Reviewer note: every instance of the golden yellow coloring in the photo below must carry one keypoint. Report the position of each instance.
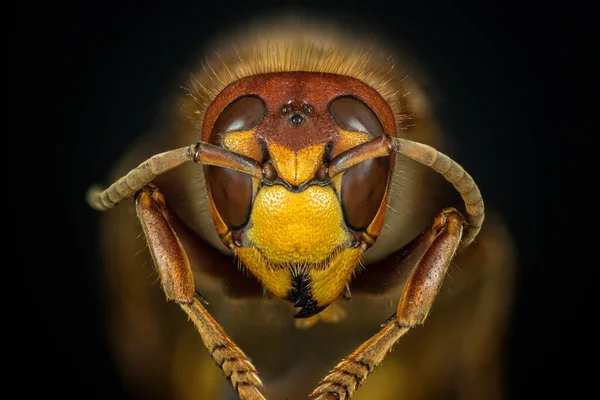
(243, 142)
(296, 167)
(349, 139)
(296, 228)
(327, 283)
(276, 280)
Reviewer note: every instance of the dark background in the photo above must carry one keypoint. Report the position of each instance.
(511, 87)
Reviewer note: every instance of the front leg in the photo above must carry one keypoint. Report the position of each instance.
(178, 283)
(439, 244)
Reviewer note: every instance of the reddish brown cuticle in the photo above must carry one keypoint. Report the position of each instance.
(322, 173)
(292, 91)
(323, 104)
(269, 172)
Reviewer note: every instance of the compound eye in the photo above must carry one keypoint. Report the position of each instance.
(364, 185)
(231, 191)
(240, 115)
(363, 190)
(351, 114)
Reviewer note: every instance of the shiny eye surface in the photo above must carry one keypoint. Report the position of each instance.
(240, 115)
(363, 186)
(351, 114)
(231, 191)
(363, 189)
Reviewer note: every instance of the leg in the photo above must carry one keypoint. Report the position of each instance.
(178, 284)
(440, 243)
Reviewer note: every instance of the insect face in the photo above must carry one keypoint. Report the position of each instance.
(299, 232)
(297, 134)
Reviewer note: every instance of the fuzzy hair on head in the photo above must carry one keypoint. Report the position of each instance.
(291, 44)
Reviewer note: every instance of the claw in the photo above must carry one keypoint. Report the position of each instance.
(387, 321)
(200, 298)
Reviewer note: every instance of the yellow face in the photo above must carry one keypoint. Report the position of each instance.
(299, 232)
